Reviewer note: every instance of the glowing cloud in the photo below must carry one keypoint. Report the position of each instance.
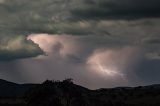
(109, 65)
(108, 72)
(49, 43)
(112, 64)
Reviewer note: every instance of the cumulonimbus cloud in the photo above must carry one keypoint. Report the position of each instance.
(109, 65)
(83, 58)
(129, 49)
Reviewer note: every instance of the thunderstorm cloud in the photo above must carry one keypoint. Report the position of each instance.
(98, 43)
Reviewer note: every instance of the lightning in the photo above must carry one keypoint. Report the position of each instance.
(108, 72)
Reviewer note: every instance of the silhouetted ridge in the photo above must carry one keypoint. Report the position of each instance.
(5, 82)
(9, 89)
(66, 93)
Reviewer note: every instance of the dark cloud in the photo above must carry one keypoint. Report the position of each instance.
(148, 71)
(118, 9)
(55, 17)
(152, 40)
(18, 47)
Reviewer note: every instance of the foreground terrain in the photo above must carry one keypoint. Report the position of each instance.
(66, 93)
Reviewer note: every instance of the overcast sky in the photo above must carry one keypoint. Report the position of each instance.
(98, 43)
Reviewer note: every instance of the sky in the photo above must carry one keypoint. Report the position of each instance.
(98, 43)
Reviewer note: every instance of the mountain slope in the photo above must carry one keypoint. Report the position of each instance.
(12, 89)
(66, 93)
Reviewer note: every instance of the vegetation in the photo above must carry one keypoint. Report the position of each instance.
(66, 93)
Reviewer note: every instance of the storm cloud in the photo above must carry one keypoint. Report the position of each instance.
(18, 47)
(118, 9)
(98, 43)
(70, 56)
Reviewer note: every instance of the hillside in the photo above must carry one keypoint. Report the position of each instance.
(9, 89)
(66, 93)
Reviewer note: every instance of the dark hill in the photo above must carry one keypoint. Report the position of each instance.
(66, 93)
(9, 89)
